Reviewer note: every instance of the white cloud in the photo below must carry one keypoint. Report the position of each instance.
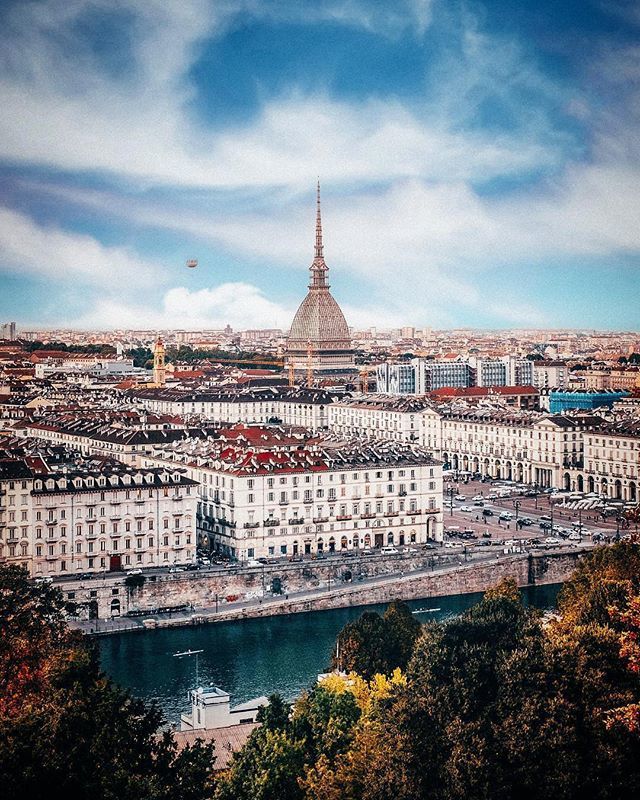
(240, 305)
(54, 254)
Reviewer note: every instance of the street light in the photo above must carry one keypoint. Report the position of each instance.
(516, 505)
(451, 491)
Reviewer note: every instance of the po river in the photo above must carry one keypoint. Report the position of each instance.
(252, 657)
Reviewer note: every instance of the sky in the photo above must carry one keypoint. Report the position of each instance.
(479, 161)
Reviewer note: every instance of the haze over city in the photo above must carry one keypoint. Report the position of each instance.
(479, 162)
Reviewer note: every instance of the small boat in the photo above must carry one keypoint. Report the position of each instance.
(425, 610)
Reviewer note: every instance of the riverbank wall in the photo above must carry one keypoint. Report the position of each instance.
(527, 569)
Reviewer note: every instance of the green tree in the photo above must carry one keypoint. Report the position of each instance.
(63, 724)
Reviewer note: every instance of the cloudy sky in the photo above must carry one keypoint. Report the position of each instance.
(480, 161)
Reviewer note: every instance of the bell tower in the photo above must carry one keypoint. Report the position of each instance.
(159, 370)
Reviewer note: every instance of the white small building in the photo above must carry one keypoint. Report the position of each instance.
(211, 708)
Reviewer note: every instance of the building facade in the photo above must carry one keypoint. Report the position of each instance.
(300, 498)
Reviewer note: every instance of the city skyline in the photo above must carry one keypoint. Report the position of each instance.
(479, 163)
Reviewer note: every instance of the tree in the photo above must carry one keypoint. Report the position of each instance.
(374, 644)
(63, 724)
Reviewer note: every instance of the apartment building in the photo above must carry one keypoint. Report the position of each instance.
(286, 405)
(377, 417)
(69, 522)
(296, 497)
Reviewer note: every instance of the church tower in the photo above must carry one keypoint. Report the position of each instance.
(159, 369)
(319, 343)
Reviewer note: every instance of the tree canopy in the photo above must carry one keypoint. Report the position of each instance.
(494, 704)
(65, 726)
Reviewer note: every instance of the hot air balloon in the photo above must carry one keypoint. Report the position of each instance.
(192, 263)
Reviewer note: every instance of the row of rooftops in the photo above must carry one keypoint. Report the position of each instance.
(245, 395)
(70, 480)
(249, 457)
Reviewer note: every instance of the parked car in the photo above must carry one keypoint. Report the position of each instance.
(388, 550)
(525, 521)
(575, 537)
(466, 508)
(478, 497)
(487, 512)
(505, 516)
(460, 497)
(44, 579)
(134, 572)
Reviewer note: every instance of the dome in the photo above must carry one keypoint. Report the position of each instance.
(320, 320)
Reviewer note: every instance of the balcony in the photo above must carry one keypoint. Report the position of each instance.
(140, 501)
(296, 521)
(271, 523)
(392, 514)
(176, 498)
(93, 535)
(367, 516)
(53, 521)
(342, 517)
(320, 519)
(115, 502)
(251, 525)
(402, 494)
(413, 512)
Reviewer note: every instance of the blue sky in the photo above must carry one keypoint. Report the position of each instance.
(480, 161)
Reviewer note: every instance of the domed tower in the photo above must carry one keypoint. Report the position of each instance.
(319, 343)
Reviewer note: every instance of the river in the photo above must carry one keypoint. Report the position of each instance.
(252, 657)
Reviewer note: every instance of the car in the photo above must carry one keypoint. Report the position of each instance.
(575, 537)
(192, 567)
(466, 508)
(551, 540)
(262, 560)
(135, 572)
(44, 579)
(410, 549)
(206, 562)
(492, 496)
(478, 502)
(545, 525)
(486, 535)
(478, 497)
(525, 521)
(487, 512)
(544, 518)
(388, 550)
(254, 562)
(452, 544)
(459, 497)
(505, 516)
(296, 557)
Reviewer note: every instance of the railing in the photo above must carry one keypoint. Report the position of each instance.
(251, 524)
(321, 519)
(392, 514)
(343, 516)
(367, 516)
(296, 521)
(402, 494)
(271, 523)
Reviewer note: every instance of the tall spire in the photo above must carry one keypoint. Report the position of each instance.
(318, 225)
(318, 268)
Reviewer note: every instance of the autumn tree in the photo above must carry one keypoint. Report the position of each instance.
(64, 726)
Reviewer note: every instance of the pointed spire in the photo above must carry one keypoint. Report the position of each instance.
(318, 268)
(318, 225)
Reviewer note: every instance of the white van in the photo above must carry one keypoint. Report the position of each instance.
(388, 550)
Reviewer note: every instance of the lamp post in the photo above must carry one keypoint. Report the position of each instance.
(451, 491)
(516, 505)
